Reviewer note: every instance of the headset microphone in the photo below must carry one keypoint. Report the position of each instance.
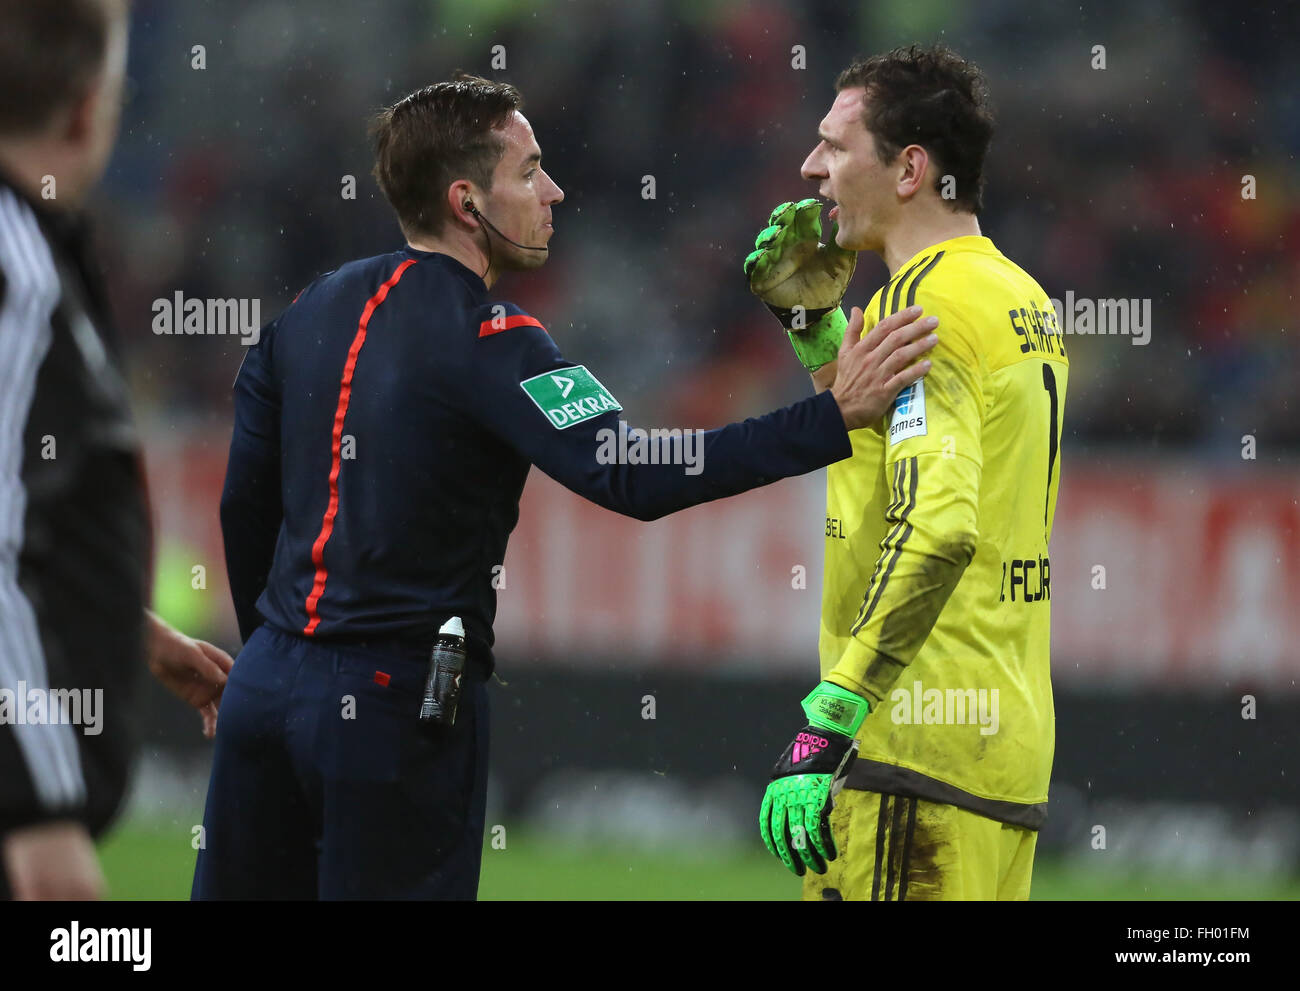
(469, 205)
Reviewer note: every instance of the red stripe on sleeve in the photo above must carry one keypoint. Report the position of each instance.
(489, 327)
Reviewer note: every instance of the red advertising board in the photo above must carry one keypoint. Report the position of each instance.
(1163, 572)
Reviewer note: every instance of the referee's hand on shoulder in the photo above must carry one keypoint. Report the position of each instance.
(871, 369)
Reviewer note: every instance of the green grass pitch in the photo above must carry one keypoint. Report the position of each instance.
(154, 861)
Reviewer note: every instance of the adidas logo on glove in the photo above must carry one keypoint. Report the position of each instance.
(808, 745)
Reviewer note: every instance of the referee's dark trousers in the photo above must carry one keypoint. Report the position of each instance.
(326, 785)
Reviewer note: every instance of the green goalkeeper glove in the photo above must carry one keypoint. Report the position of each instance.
(803, 281)
(795, 818)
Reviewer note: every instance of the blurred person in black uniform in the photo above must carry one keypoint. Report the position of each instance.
(75, 541)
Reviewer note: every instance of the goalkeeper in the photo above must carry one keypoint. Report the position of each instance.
(923, 769)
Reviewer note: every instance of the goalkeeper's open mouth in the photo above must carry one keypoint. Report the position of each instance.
(835, 207)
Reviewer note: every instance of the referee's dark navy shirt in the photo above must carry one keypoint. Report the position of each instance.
(382, 438)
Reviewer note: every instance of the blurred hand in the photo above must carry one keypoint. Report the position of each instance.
(54, 861)
(870, 371)
(193, 670)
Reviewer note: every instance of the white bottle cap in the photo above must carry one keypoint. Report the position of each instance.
(453, 627)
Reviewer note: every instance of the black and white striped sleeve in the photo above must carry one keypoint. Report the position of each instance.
(43, 775)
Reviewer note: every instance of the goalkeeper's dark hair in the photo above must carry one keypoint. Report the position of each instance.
(51, 51)
(934, 98)
(435, 136)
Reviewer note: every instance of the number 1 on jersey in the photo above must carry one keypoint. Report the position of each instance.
(1049, 383)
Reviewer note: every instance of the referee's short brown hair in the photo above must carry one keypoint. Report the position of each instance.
(50, 53)
(435, 136)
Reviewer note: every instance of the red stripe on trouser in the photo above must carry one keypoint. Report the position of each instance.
(340, 413)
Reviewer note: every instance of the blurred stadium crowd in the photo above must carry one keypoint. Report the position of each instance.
(1123, 182)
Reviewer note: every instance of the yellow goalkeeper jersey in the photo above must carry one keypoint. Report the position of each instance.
(937, 587)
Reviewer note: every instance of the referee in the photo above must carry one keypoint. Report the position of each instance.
(74, 522)
(384, 426)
